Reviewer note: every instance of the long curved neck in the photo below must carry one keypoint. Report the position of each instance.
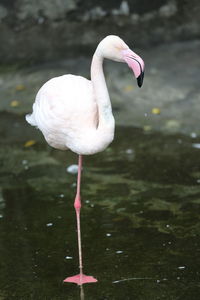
(101, 93)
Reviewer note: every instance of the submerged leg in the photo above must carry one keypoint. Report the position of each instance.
(80, 278)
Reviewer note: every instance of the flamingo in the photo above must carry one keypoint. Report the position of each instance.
(75, 113)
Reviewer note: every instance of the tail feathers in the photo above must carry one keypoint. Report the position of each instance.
(30, 119)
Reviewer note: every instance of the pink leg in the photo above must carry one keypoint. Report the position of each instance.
(80, 278)
(77, 206)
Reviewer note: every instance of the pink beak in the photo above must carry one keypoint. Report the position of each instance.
(136, 63)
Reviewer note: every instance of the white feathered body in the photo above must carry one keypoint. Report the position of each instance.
(66, 112)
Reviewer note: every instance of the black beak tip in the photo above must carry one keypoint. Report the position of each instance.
(140, 79)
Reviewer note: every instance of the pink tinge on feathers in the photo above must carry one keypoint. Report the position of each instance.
(134, 62)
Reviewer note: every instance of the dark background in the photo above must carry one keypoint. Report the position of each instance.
(35, 31)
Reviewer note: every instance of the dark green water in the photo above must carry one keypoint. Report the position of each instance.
(140, 220)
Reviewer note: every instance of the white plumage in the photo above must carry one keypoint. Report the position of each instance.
(64, 110)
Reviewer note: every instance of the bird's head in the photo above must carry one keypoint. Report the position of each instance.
(114, 48)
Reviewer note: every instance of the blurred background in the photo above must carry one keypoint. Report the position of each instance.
(140, 220)
(36, 31)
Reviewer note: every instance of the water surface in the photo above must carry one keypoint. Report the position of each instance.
(140, 219)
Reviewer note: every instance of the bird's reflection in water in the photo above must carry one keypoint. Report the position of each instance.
(82, 295)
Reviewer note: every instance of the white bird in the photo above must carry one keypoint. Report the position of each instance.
(75, 113)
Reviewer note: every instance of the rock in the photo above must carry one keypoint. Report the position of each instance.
(95, 13)
(3, 12)
(168, 10)
(51, 9)
(122, 10)
(36, 31)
